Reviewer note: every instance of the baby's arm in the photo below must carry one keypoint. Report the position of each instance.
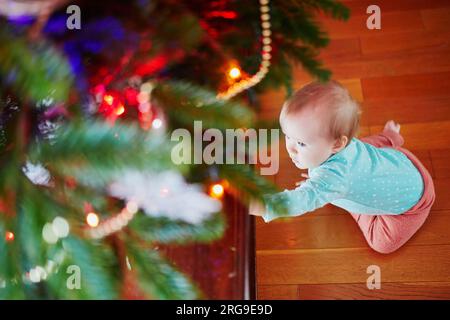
(326, 184)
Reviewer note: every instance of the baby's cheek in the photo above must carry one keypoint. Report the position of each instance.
(304, 157)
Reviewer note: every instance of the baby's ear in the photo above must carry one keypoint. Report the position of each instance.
(340, 144)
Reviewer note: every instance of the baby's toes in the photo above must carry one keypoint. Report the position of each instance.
(391, 125)
(395, 126)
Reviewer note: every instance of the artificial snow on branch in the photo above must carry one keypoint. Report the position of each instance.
(164, 194)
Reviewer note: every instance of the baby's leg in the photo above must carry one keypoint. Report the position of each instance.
(387, 138)
(387, 233)
(390, 137)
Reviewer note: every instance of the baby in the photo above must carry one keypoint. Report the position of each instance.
(385, 188)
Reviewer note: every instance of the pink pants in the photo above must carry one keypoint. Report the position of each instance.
(387, 233)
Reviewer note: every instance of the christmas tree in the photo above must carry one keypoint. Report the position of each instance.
(86, 111)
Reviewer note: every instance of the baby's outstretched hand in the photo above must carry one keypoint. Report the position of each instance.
(299, 183)
(256, 208)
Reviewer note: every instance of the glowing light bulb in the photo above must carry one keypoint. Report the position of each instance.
(120, 110)
(92, 219)
(132, 207)
(234, 73)
(143, 97)
(60, 227)
(9, 236)
(109, 99)
(48, 234)
(216, 190)
(157, 123)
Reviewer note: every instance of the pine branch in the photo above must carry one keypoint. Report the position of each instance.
(334, 8)
(9, 269)
(308, 58)
(35, 70)
(247, 180)
(97, 282)
(95, 152)
(280, 74)
(159, 279)
(164, 230)
(186, 103)
(295, 23)
(31, 220)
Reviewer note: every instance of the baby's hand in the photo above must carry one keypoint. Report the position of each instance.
(299, 183)
(256, 208)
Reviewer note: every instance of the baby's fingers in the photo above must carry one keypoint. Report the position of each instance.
(299, 183)
(256, 208)
(304, 175)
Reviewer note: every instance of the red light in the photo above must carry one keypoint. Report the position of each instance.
(9, 236)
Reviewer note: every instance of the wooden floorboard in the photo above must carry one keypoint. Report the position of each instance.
(400, 72)
(396, 21)
(339, 231)
(424, 135)
(349, 265)
(351, 291)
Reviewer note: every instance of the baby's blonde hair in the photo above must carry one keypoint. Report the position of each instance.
(333, 97)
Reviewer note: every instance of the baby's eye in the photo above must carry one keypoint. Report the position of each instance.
(301, 144)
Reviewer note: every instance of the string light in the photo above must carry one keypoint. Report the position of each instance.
(40, 273)
(48, 234)
(147, 114)
(115, 223)
(9, 236)
(92, 219)
(120, 110)
(37, 274)
(245, 84)
(156, 123)
(60, 227)
(234, 73)
(109, 99)
(216, 191)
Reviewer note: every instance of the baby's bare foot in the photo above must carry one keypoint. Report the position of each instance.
(392, 125)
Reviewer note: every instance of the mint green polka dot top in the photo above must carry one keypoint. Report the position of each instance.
(361, 179)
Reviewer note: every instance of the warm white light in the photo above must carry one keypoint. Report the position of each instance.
(234, 73)
(48, 234)
(157, 123)
(147, 87)
(143, 97)
(60, 227)
(34, 275)
(92, 219)
(132, 207)
(216, 190)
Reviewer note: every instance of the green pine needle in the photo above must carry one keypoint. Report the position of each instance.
(35, 70)
(164, 230)
(159, 279)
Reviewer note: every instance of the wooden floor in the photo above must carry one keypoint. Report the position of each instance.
(400, 72)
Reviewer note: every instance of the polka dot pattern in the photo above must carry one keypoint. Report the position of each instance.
(360, 178)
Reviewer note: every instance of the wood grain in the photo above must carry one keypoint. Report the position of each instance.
(316, 266)
(401, 72)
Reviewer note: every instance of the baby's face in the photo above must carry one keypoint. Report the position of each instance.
(306, 137)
